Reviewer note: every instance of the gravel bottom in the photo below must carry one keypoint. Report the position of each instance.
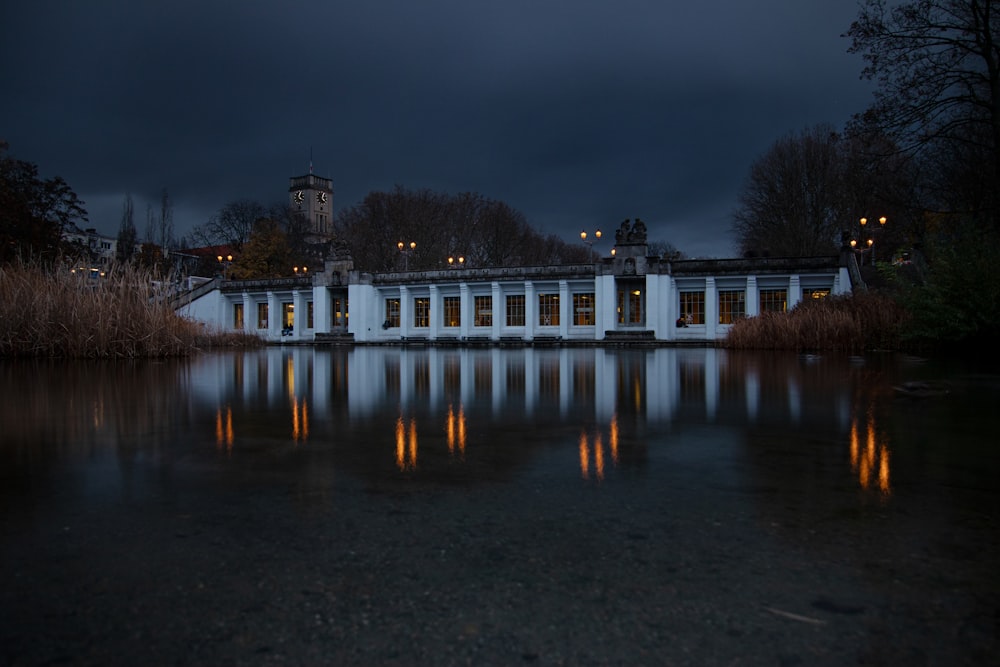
(539, 570)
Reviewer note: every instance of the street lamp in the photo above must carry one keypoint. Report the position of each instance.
(406, 250)
(303, 270)
(590, 244)
(871, 241)
(861, 251)
(451, 262)
(225, 262)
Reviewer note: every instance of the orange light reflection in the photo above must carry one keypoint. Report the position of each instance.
(870, 462)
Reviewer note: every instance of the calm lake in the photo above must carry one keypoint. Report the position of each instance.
(438, 506)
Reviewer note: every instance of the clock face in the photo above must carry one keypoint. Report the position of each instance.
(299, 196)
(321, 197)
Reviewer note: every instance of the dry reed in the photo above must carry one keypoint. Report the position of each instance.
(53, 313)
(849, 323)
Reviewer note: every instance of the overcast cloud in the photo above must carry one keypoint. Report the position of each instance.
(579, 114)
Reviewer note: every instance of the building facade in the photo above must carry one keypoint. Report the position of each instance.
(628, 297)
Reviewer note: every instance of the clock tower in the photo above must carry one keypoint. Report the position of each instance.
(312, 197)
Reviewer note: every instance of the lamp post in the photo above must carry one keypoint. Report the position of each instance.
(590, 244)
(454, 262)
(225, 262)
(300, 270)
(861, 251)
(405, 250)
(874, 229)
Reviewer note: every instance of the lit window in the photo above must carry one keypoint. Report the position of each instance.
(261, 315)
(732, 305)
(773, 300)
(692, 307)
(452, 307)
(421, 312)
(484, 311)
(237, 315)
(548, 310)
(583, 309)
(391, 313)
(515, 310)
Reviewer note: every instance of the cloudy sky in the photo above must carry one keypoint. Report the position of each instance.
(579, 114)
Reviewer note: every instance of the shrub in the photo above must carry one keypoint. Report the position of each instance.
(849, 323)
(58, 313)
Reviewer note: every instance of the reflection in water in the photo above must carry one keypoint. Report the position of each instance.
(455, 429)
(293, 396)
(595, 442)
(300, 419)
(300, 410)
(873, 460)
(406, 448)
(224, 429)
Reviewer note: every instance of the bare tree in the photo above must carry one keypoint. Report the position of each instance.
(231, 225)
(790, 204)
(937, 65)
(127, 234)
(482, 231)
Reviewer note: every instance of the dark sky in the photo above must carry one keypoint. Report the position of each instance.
(579, 114)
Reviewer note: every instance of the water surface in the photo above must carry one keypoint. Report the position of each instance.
(486, 506)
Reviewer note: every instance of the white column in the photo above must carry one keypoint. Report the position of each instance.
(499, 310)
(300, 315)
(321, 309)
(711, 308)
(794, 291)
(753, 297)
(466, 310)
(437, 313)
(530, 310)
(405, 311)
(249, 316)
(273, 316)
(565, 309)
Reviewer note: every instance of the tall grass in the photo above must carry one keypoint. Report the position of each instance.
(55, 313)
(848, 323)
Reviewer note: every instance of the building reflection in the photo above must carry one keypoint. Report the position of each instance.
(635, 390)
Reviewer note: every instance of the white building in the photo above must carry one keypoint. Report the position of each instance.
(628, 297)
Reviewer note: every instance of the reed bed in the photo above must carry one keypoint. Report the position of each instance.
(848, 323)
(46, 313)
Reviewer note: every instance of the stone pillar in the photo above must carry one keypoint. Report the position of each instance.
(300, 314)
(711, 308)
(530, 310)
(273, 316)
(321, 309)
(499, 310)
(466, 310)
(405, 312)
(794, 291)
(436, 314)
(753, 297)
(565, 309)
(249, 316)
